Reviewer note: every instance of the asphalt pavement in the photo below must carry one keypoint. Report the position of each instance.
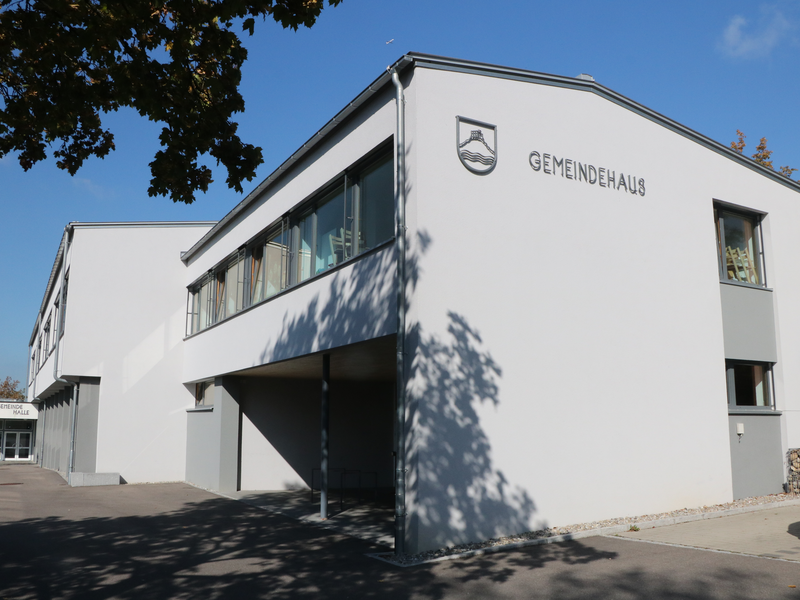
(176, 541)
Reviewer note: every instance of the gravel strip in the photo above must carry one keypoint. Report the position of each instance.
(557, 534)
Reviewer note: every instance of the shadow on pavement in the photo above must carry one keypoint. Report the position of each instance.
(175, 541)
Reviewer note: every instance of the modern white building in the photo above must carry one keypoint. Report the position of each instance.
(595, 317)
(106, 350)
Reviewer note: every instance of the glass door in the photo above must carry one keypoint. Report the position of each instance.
(16, 445)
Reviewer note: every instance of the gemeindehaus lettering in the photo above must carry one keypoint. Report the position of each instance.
(568, 168)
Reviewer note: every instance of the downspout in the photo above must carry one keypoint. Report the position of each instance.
(43, 412)
(400, 411)
(71, 466)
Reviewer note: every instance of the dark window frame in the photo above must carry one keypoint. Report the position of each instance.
(768, 379)
(721, 209)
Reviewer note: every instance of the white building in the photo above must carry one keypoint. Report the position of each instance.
(596, 318)
(106, 350)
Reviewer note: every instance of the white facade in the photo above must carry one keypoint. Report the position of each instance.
(120, 351)
(572, 349)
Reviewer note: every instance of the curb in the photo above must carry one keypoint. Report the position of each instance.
(601, 531)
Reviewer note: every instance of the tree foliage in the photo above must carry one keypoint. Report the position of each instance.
(10, 389)
(63, 63)
(762, 154)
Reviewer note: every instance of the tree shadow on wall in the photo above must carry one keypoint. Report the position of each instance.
(353, 304)
(459, 494)
(456, 492)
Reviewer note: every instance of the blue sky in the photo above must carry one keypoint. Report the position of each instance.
(713, 65)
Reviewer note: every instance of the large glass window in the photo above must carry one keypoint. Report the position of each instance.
(201, 310)
(305, 241)
(329, 238)
(257, 274)
(268, 261)
(47, 338)
(738, 236)
(376, 206)
(219, 296)
(62, 322)
(234, 286)
(276, 254)
(749, 384)
(350, 217)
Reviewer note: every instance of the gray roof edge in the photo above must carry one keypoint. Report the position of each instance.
(438, 62)
(50, 281)
(139, 224)
(309, 145)
(478, 68)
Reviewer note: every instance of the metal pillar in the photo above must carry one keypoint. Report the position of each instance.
(325, 417)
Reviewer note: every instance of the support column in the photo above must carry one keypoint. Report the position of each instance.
(226, 410)
(325, 418)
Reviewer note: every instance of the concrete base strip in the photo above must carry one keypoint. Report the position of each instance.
(601, 531)
(674, 545)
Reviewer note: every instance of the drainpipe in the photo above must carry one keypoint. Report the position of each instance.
(71, 465)
(43, 414)
(400, 411)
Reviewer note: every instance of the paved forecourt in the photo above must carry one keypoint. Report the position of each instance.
(769, 532)
(174, 541)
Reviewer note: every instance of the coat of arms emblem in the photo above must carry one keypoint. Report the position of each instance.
(476, 144)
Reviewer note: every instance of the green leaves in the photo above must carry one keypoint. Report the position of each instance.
(178, 62)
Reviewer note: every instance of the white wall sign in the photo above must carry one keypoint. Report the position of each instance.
(18, 410)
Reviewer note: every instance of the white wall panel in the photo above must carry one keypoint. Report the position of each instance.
(579, 326)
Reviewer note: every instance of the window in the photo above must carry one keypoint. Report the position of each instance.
(200, 305)
(328, 241)
(47, 338)
(56, 317)
(375, 206)
(749, 384)
(63, 321)
(268, 265)
(204, 393)
(351, 216)
(360, 208)
(739, 245)
(233, 286)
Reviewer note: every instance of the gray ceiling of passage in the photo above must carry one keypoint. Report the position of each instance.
(374, 360)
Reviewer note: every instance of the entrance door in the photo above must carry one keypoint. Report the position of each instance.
(17, 445)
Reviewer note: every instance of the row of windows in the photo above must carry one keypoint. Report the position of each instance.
(46, 342)
(349, 218)
(741, 260)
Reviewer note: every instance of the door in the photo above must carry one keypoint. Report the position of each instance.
(17, 445)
